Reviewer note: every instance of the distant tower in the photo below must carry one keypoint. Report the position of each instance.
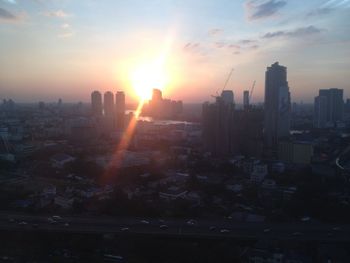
(246, 99)
(157, 95)
(120, 110)
(335, 104)
(227, 96)
(277, 105)
(96, 103)
(320, 112)
(108, 103)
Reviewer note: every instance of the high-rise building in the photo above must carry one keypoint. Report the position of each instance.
(108, 104)
(96, 103)
(120, 110)
(320, 112)
(158, 107)
(227, 96)
(217, 127)
(227, 131)
(246, 99)
(277, 106)
(334, 104)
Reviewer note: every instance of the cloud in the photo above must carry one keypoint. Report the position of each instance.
(57, 13)
(299, 32)
(215, 31)
(234, 46)
(65, 26)
(260, 10)
(191, 46)
(6, 15)
(10, 1)
(66, 35)
(247, 41)
(219, 44)
(320, 12)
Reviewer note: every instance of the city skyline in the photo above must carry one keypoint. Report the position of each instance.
(64, 49)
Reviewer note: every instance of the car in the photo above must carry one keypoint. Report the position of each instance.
(66, 224)
(163, 227)
(35, 225)
(191, 222)
(224, 231)
(212, 228)
(297, 234)
(124, 229)
(23, 223)
(266, 230)
(51, 220)
(145, 222)
(161, 221)
(336, 228)
(56, 218)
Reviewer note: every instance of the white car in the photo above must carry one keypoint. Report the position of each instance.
(191, 222)
(163, 227)
(23, 223)
(124, 229)
(145, 222)
(224, 231)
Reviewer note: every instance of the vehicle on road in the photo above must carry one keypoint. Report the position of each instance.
(212, 228)
(224, 231)
(145, 222)
(266, 230)
(164, 227)
(124, 229)
(23, 223)
(56, 218)
(66, 224)
(191, 222)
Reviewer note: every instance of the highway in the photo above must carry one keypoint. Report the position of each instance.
(178, 228)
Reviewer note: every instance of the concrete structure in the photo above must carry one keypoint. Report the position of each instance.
(277, 106)
(295, 152)
(246, 99)
(108, 104)
(329, 107)
(96, 103)
(120, 110)
(227, 96)
(320, 112)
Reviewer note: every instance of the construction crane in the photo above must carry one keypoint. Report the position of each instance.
(251, 91)
(225, 84)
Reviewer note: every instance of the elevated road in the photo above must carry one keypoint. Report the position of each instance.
(178, 228)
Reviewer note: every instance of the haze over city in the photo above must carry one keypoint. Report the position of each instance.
(65, 49)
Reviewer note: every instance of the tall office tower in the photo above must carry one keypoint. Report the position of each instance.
(246, 99)
(320, 112)
(227, 96)
(120, 110)
(217, 123)
(335, 104)
(96, 103)
(277, 106)
(157, 95)
(108, 104)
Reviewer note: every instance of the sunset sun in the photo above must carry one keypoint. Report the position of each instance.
(147, 77)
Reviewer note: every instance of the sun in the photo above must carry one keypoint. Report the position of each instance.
(147, 77)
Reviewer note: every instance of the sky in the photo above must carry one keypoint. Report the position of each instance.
(52, 49)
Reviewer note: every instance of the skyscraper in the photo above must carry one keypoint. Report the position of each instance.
(217, 127)
(277, 106)
(96, 103)
(334, 104)
(320, 112)
(108, 103)
(246, 99)
(227, 96)
(120, 110)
